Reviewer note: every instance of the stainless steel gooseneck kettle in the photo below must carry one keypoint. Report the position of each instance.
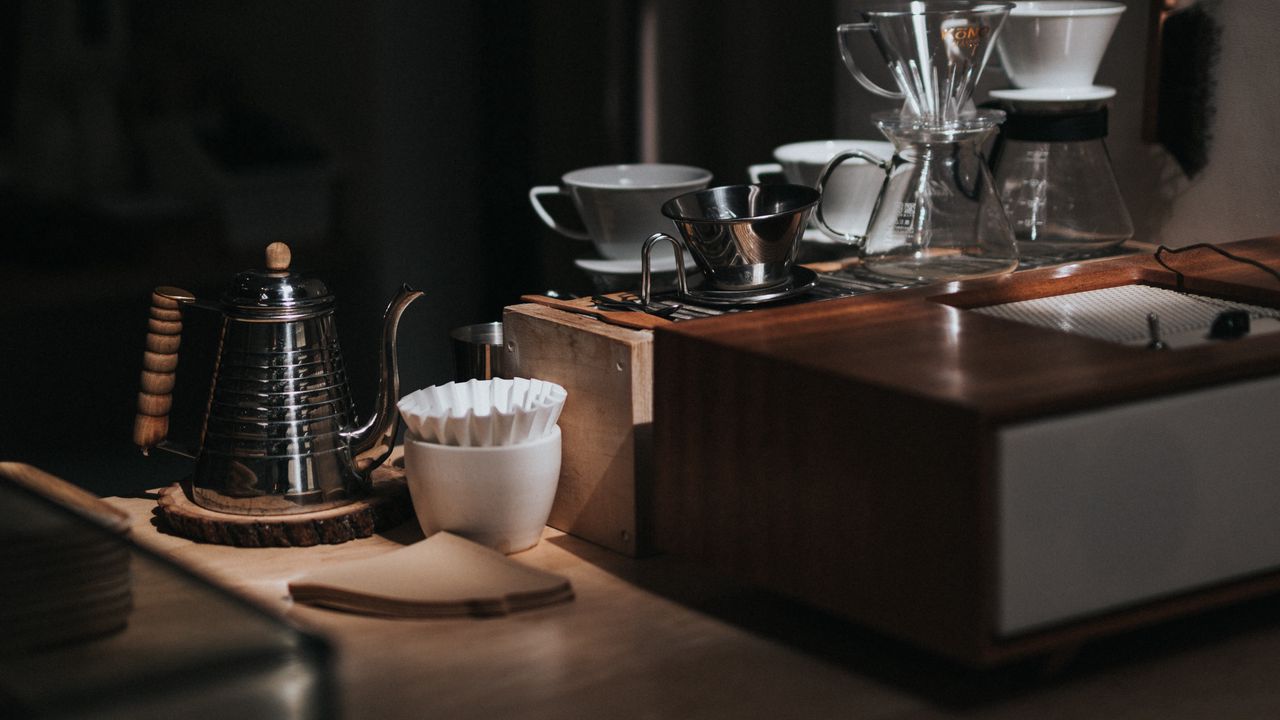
(278, 435)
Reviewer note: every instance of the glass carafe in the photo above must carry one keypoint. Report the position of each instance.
(1054, 174)
(937, 216)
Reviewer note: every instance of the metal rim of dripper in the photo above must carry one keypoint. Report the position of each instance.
(669, 207)
(800, 281)
(782, 200)
(734, 206)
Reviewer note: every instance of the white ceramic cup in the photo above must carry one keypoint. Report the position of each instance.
(850, 194)
(1056, 43)
(498, 496)
(620, 205)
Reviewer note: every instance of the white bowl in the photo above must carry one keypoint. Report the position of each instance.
(620, 205)
(497, 496)
(1056, 43)
(804, 160)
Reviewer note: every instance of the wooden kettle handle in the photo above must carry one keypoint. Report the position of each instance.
(159, 366)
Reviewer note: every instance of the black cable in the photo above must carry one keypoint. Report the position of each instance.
(1237, 258)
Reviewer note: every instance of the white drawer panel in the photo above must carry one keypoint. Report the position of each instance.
(1113, 507)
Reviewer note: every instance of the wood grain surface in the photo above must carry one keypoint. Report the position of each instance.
(584, 306)
(387, 506)
(658, 638)
(77, 500)
(606, 423)
(919, 341)
(618, 650)
(843, 451)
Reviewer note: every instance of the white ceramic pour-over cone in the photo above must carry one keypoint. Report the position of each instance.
(1057, 44)
(935, 50)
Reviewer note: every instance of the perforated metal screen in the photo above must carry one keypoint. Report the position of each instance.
(1119, 314)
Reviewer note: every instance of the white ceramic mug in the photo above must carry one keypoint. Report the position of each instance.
(850, 194)
(620, 205)
(1056, 43)
(499, 496)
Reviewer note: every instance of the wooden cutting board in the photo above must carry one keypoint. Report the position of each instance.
(386, 506)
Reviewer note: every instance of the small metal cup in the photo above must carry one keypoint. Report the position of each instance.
(743, 237)
(477, 351)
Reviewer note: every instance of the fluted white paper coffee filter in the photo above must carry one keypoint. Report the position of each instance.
(483, 412)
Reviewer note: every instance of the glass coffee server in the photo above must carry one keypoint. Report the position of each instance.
(1050, 161)
(937, 216)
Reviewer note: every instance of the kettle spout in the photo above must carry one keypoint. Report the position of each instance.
(371, 443)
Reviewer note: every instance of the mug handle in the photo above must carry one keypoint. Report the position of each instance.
(758, 171)
(646, 278)
(832, 164)
(534, 195)
(842, 40)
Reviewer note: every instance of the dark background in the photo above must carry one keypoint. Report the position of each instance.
(149, 143)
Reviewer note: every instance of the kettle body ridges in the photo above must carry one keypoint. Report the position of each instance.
(279, 434)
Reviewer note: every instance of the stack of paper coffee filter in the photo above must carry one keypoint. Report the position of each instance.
(483, 412)
(482, 458)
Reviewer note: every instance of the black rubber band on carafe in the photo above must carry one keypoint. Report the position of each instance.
(1055, 126)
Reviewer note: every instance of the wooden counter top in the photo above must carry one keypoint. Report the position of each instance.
(655, 638)
(921, 342)
(615, 651)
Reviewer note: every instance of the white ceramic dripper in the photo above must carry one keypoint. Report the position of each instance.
(1057, 44)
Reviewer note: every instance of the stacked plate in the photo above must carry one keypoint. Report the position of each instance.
(64, 578)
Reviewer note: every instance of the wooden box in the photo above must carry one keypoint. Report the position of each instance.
(981, 488)
(606, 425)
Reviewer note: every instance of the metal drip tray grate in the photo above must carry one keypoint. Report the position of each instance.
(1119, 314)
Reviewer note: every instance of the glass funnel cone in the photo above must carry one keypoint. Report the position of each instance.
(935, 51)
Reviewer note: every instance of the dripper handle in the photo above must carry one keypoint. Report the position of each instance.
(159, 366)
(535, 199)
(757, 172)
(832, 164)
(646, 276)
(842, 40)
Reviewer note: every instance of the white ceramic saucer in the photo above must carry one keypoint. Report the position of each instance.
(665, 262)
(1076, 94)
(816, 236)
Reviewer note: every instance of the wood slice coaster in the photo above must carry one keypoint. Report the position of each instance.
(386, 507)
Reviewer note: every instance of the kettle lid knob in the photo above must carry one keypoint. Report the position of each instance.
(278, 257)
(277, 291)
